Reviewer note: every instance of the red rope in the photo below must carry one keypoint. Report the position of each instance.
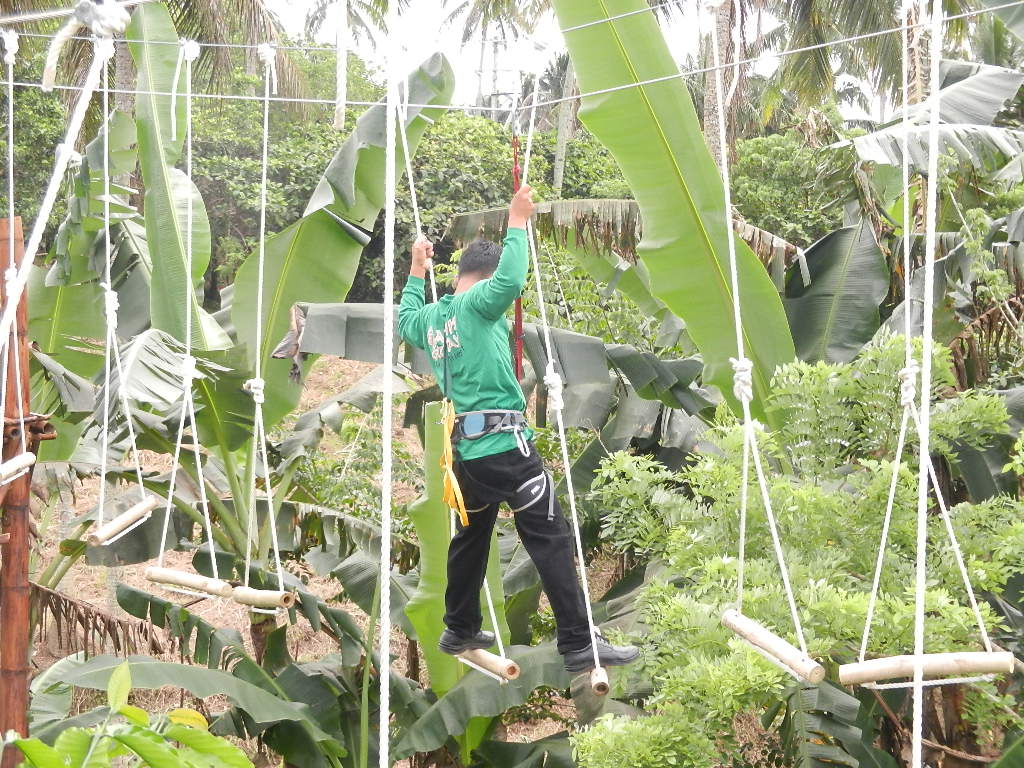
(517, 324)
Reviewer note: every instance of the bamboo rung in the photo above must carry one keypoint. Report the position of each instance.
(122, 522)
(599, 681)
(934, 665)
(196, 581)
(502, 667)
(791, 657)
(263, 598)
(14, 466)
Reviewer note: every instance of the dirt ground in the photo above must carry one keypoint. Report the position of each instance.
(95, 586)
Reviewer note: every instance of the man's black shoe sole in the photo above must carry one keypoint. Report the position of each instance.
(455, 650)
(586, 666)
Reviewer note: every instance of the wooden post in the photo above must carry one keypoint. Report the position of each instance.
(14, 585)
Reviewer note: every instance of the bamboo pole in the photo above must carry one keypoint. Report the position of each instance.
(504, 668)
(791, 657)
(263, 598)
(599, 681)
(122, 522)
(12, 467)
(935, 665)
(15, 593)
(196, 581)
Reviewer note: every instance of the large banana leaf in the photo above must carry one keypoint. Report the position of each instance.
(480, 696)
(601, 228)
(653, 133)
(315, 259)
(971, 93)
(837, 314)
(1012, 16)
(989, 149)
(167, 189)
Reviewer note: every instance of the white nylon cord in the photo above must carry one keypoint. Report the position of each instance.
(924, 422)
(256, 385)
(112, 349)
(10, 41)
(554, 383)
(341, 66)
(743, 387)
(187, 55)
(391, 110)
(908, 376)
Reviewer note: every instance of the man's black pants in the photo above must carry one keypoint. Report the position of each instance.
(522, 483)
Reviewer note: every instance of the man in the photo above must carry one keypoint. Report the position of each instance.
(466, 335)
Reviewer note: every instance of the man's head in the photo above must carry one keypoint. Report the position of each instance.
(479, 260)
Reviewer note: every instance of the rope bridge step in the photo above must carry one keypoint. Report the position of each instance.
(263, 598)
(193, 581)
(123, 523)
(498, 667)
(934, 665)
(775, 647)
(14, 467)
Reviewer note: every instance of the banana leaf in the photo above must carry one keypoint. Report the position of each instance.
(1012, 17)
(550, 752)
(315, 259)
(654, 135)
(167, 190)
(601, 229)
(837, 314)
(480, 696)
(971, 93)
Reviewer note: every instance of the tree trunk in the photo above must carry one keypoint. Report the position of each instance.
(566, 120)
(260, 627)
(480, 72)
(724, 22)
(124, 78)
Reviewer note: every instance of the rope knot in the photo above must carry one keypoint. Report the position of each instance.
(553, 382)
(10, 38)
(908, 384)
(268, 55)
(255, 387)
(188, 368)
(103, 19)
(189, 50)
(742, 379)
(10, 275)
(110, 305)
(74, 158)
(104, 47)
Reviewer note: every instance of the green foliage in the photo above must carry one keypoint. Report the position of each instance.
(775, 185)
(828, 472)
(128, 734)
(672, 738)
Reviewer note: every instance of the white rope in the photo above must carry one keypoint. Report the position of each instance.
(391, 114)
(187, 55)
(743, 385)
(104, 20)
(924, 422)
(549, 378)
(470, 108)
(10, 43)
(112, 350)
(256, 385)
(403, 118)
(930, 683)
(103, 50)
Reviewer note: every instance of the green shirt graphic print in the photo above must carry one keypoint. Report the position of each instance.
(472, 328)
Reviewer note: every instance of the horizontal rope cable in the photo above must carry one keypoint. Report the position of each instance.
(548, 102)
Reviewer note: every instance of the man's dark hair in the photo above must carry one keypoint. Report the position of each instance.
(479, 258)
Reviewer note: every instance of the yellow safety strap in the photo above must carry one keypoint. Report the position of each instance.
(452, 492)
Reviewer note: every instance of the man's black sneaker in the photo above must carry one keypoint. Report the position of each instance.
(610, 656)
(456, 644)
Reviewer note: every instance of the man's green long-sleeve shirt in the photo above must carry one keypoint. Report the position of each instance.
(473, 328)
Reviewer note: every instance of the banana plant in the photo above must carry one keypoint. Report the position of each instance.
(666, 163)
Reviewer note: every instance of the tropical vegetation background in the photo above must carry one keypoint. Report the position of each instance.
(642, 342)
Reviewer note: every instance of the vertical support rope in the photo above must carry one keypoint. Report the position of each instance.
(387, 394)
(908, 376)
(256, 385)
(554, 383)
(112, 351)
(924, 422)
(742, 367)
(10, 41)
